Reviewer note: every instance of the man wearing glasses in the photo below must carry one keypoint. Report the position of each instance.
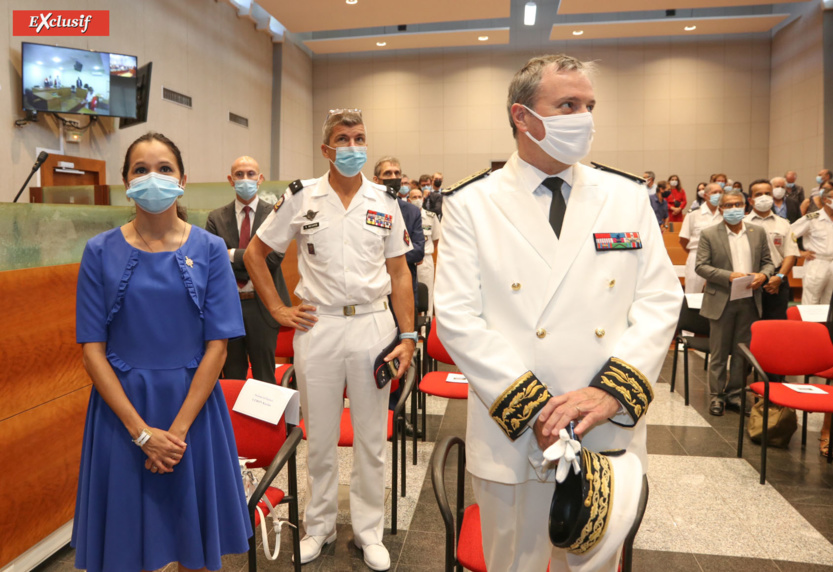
(728, 252)
(351, 255)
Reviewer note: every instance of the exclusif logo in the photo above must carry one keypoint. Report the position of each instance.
(61, 23)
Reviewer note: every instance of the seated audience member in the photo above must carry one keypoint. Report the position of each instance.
(699, 199)
(783, 205)
(236, 223)
(782, 249)
(727, 252)
(707, 215)
(814, 229)
(677, 201)
(659, 202)
(794, 190)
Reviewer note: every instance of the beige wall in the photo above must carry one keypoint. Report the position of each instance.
(297, 137)
(797, 111)
(198, 47)
(690, 108)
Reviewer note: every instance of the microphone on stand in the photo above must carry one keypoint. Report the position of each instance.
(43, 156)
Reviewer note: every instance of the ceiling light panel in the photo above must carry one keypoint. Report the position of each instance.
(606, 6)
(447, 39)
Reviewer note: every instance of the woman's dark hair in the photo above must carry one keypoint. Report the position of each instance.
(181, 211)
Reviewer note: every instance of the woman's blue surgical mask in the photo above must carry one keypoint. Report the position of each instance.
(819, 179)
(733, 215)
(154, 193)
(722, 184)
(246, 189)
(349, 160)
(714, 199)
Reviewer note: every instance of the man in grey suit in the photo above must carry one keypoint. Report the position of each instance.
(236, 223)
(728, 251)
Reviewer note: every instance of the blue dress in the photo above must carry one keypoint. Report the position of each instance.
(156, 311)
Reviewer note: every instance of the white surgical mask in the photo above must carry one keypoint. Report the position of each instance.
(673, 183)
(763, 203)
(568, 137)
(417, 202)
(701, 193)
(779, 192)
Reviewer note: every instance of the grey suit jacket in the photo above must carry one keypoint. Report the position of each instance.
(223, 223)
(714, 263)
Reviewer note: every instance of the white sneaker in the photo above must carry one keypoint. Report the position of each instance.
(311, 546)
(376, 556)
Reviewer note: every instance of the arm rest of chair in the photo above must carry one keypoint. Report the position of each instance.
(284, 453)
(747, 355)
(407, 388)
(438, 462)
(288, 377)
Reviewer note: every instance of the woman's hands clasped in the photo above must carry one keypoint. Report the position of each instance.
(164, 450)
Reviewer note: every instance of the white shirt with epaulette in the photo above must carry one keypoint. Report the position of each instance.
(341, 252)
(817, 230)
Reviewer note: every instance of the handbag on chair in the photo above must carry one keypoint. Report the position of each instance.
(249, 486)
(782, 423)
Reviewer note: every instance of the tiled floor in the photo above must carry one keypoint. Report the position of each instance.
(707, 512)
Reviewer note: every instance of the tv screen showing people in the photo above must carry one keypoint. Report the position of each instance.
(69, 80)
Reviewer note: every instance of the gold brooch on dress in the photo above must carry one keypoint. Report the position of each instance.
(189, 263)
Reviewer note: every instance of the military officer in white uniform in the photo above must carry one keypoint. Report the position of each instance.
(552, 321)
(431, 230)
(816, 229)
(351, 255)
(693, 224)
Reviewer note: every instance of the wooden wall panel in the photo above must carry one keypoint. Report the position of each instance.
(40, 456)
(40, 358)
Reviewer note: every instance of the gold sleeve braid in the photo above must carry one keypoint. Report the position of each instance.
(519, 403)
(628, 385)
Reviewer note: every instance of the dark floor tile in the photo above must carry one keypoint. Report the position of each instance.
(714, 563)
(423, 550)
(662, 442)
(657, 561)
(802, 567)
(702, 441)
(820, 517)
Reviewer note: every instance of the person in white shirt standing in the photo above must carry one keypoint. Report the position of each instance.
(431, 229)
(782, 248)
(816, 229)
(707, 215)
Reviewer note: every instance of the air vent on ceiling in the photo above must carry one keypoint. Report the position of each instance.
(176, 97)
(238, 119)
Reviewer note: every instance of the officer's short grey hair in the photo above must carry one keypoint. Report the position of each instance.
(732, 193)
(346, 117)
(524, 86)
(377, 168)
(773, 182)
(651, 175)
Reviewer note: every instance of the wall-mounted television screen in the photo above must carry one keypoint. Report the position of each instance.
(69, 80)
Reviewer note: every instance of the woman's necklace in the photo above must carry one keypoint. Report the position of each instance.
(181, 238)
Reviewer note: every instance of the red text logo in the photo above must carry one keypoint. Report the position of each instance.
(61, 23)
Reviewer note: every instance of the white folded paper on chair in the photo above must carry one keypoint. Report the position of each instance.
(813, 312)
(805, 388)
(456, 378)
(268, 402)
(694, 301)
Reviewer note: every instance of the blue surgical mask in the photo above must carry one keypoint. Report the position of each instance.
(426, 188)
(819, 179)
(714, 199)
(154, 193)
(246, 189)
(407, 188)
(733, 216)
(791, 185)
(349, 160)
(722, 184)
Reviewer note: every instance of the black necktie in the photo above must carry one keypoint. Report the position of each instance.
(558, 206)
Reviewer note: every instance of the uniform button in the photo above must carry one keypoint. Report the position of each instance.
(611, 284)
(600, 332)
(516, 285)
(541, 333)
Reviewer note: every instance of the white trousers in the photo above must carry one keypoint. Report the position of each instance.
(514, 522)
(817, 285)
(694, 283)
(338, 349)
(425, 274)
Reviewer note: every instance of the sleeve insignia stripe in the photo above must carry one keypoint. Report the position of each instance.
(627, 384)
(519, 403)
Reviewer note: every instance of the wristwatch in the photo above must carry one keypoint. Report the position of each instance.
(408, 336)
(781, 276)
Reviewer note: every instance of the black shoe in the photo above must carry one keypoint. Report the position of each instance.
(733, 403)
(717, 406)
(409, 429)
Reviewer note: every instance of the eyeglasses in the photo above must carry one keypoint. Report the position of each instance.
(733, 205)
(340, 111)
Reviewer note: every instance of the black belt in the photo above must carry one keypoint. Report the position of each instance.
(247, 295)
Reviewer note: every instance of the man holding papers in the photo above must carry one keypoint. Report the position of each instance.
(731, 251)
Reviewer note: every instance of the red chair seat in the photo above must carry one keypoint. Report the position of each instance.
(826, 374)
(280, 369)
(470, 545)
(345, 436)
(434, 383)
(275, 496)
(786, 397)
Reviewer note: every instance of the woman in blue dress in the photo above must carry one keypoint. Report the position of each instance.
(156, 303)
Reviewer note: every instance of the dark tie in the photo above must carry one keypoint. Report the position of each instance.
(245, 234)
(558, 206)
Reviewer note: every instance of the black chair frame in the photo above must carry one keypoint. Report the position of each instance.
(452, 529)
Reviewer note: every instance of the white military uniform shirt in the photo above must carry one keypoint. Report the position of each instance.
(431, 229)
(341, 252)
(817, 230)
(778, 236)
(693, 225)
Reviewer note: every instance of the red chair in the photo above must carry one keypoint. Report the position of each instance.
(283, 349)
(787, 347)
(395, 433)
(464, 543)
(793, 313)
(436, 382)
(271, 448)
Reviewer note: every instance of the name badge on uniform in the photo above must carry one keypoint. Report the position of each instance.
(381, 220)
(309, 226)
(617, 241)
(777, 239)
